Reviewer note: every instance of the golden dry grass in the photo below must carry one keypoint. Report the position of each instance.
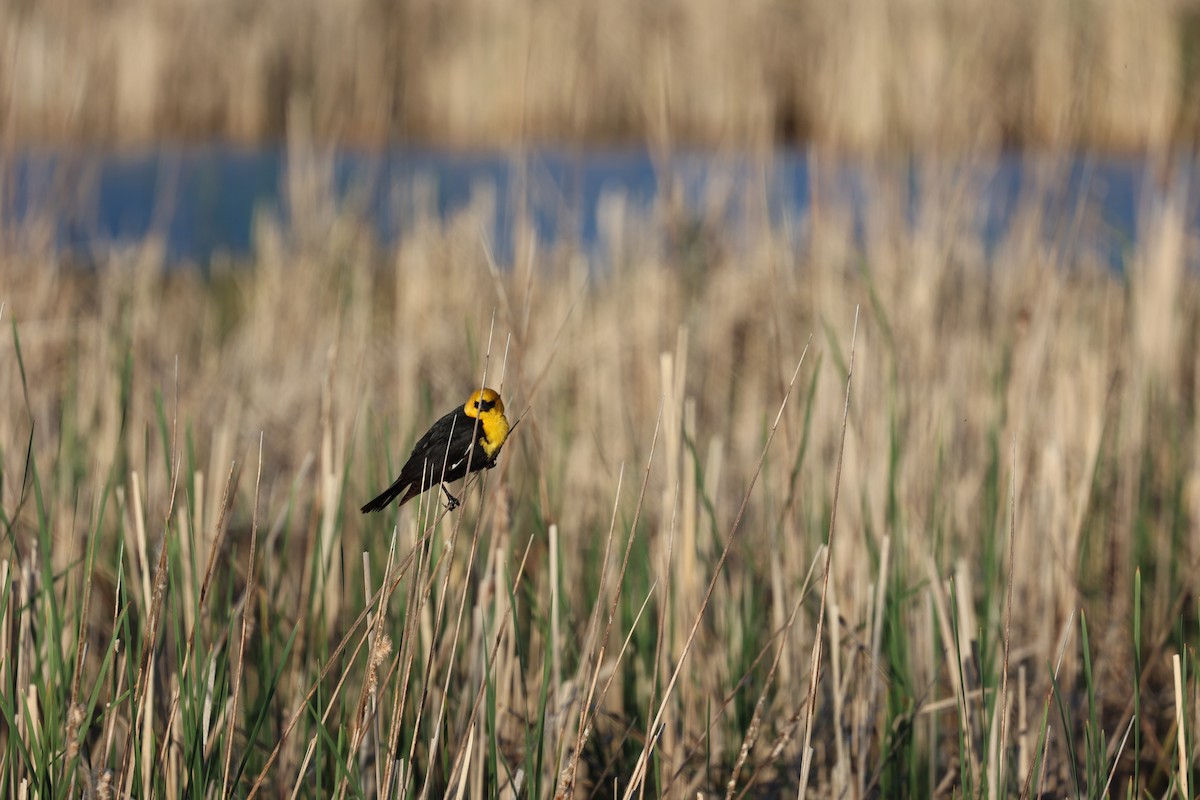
(334, 353)
(865, 75)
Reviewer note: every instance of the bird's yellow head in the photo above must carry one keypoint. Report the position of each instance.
(486, 406)
(484, 401)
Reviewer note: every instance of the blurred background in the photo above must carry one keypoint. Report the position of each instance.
(863, 77)
(249, 251)
(122, 119)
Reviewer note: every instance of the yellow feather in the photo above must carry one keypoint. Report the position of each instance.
(495, 431)
(492, 421)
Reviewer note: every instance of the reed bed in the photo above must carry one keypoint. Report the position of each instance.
(905, 513)
(866, 75)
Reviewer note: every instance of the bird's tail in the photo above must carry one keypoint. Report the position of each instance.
(387, 496)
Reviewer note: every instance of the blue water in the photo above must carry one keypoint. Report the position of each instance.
(202, 201)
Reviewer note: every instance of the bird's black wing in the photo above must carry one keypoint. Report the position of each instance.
(448, 443)
(449, 436)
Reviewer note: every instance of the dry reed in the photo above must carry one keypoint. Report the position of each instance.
(866, 75)
(955, 564)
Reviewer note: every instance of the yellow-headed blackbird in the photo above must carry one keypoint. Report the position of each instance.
(465, 440)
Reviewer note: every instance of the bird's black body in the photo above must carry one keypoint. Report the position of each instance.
(443, 454)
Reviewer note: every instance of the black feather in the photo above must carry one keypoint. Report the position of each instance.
(440, 456)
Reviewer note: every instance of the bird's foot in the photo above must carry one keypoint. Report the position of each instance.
(452, 502)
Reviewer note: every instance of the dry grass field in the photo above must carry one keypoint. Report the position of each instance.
(862, 75)
(987, 537)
